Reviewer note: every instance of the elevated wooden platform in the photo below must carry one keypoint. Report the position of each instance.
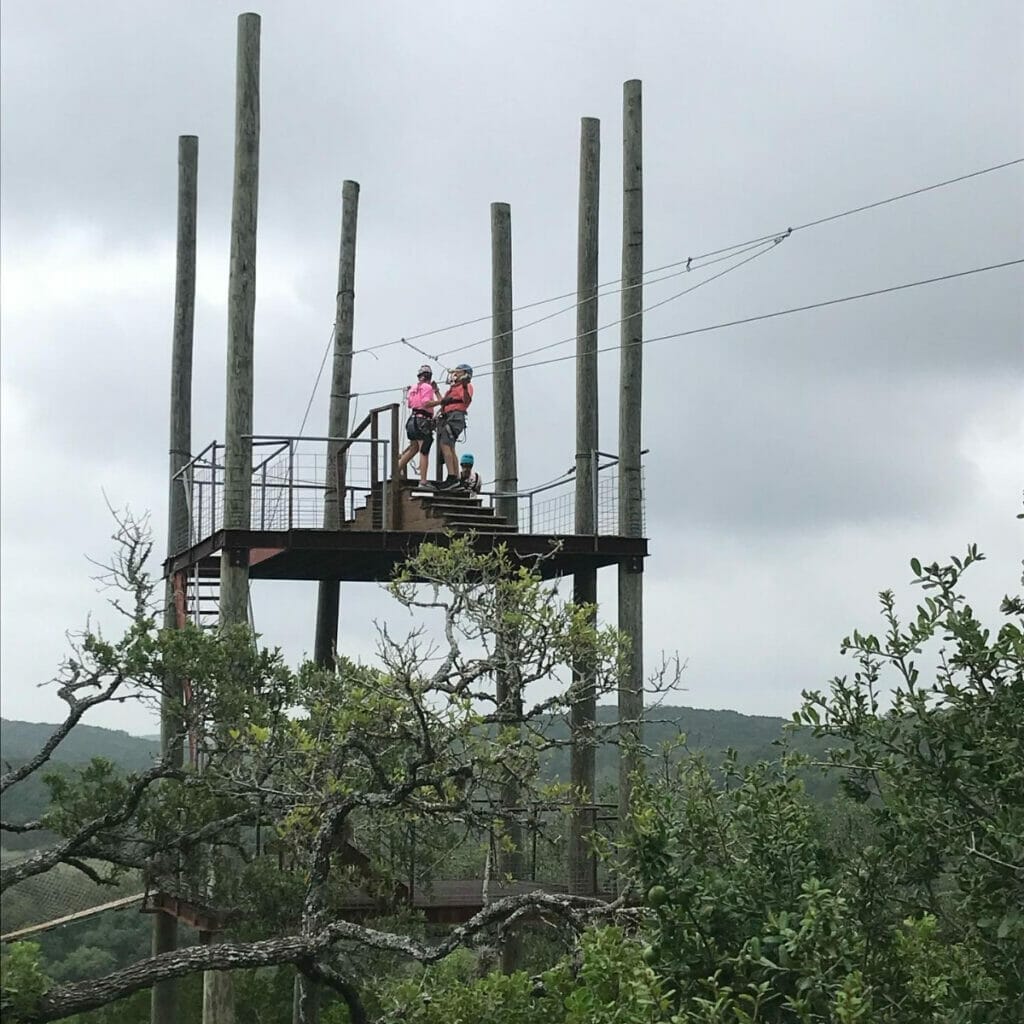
(287, 540)
(452, 901)
(369, 555)
(444, 901)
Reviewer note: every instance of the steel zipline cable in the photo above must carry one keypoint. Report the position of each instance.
(568, 309)
(763, 248)
(712, 256)
(316, 383)
(755, 319)
(682, 262)
(783, 312)
(482, 371)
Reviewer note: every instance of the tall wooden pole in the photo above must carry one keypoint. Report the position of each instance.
(506, 478)
(509, 695)
(234, 572)
(218, 991)
(329, 591)
(506, 474)
(164, 994)
(584, 703)
(631, 591)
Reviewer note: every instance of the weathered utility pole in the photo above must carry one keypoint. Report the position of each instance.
(508, 688)
(510, 859)
(506, 474)
(234, 571)
(218, 997)
(631, 580)
(584, 591)
(218, 990)
(329, 591)
(509, 691)
(164, 994)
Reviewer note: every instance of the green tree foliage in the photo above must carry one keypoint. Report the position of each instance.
(611, 984)
(317, 761)
(24, 982)
(899, 903)
(942, 770)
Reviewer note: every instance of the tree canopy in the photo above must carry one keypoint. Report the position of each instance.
(740, 898)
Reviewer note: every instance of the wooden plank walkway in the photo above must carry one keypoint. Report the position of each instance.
(79, 915)
(445, 901)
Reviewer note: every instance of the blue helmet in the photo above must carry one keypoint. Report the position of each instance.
(466, 460)
(465, 369)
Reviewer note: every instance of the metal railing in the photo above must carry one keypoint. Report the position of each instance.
(555, 513)
(288, 484)
(318, 482)
(543, 829)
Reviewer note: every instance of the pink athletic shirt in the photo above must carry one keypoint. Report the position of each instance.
(419, 394)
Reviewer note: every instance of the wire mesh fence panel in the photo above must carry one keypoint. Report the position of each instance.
(62, 891)
(607, 518)
(552, 510)
(555, 514)
(288, 488)
(203, 479)
(643, 501)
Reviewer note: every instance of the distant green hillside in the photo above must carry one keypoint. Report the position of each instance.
(752, 736)
(20, 741)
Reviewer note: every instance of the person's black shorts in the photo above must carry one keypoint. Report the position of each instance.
(450, 428)
(420, 428)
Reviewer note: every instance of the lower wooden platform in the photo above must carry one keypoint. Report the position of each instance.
(371, 555)
(445, 901)
(452, 901)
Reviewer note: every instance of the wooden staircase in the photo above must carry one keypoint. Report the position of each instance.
(430, 511)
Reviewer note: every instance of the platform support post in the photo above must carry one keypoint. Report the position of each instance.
(163, 1005)
(506, 474)
(584, 592)
(329, 591)
(218, 989)
(631, 595)
(234, 573)
(509, 695)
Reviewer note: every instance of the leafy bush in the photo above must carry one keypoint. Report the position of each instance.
(24, 982)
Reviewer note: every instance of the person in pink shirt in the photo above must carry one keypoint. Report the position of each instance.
(419, 428)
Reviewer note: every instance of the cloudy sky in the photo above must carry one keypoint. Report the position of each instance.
(796, 464)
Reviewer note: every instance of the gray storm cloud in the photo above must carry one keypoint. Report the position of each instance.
(790, 460)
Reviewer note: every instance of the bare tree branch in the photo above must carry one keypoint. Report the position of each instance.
(326, 974)
(78, 709)
(45, 860)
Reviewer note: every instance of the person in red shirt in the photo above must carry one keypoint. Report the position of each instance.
(451, 421)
